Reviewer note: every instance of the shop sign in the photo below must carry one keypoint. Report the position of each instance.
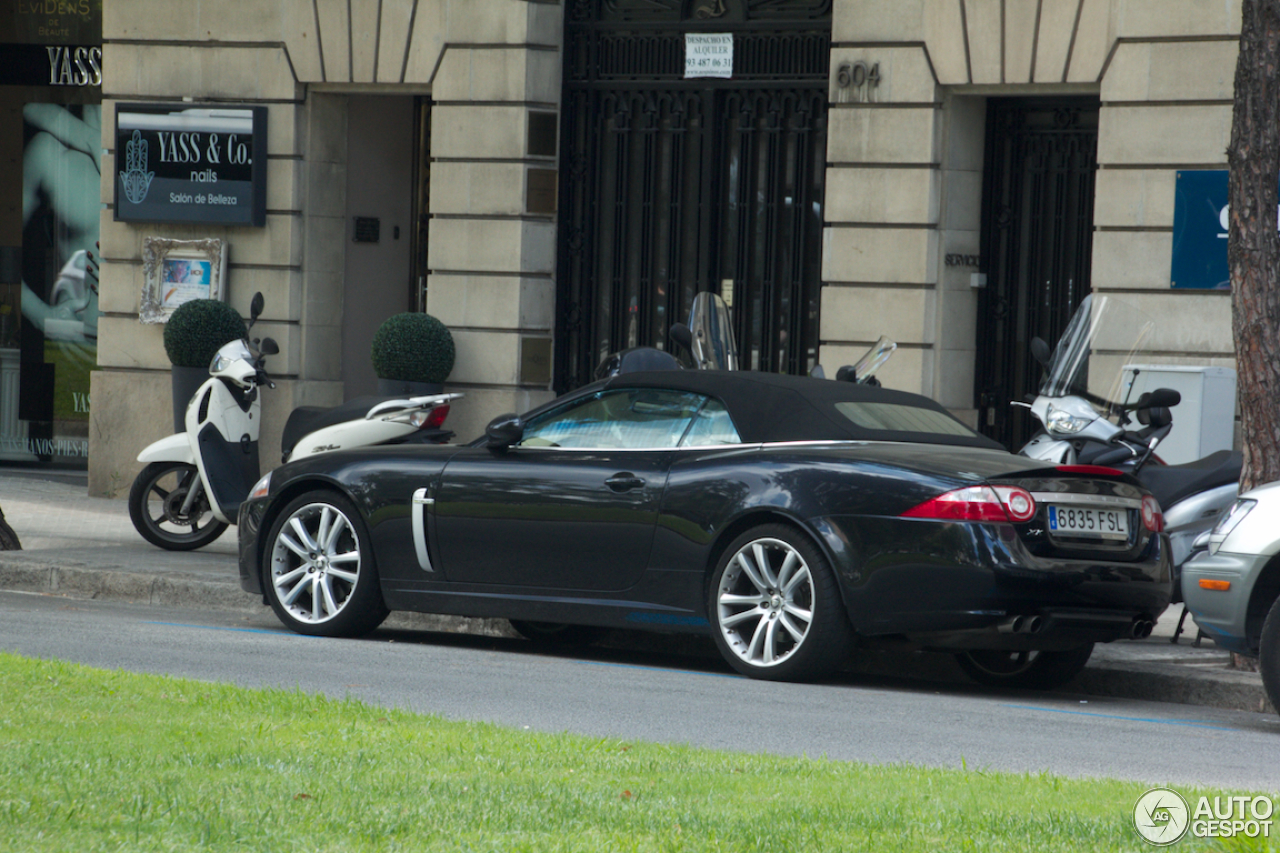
(50, 65)
(187, 163)
(51, 21)
(1200, 231)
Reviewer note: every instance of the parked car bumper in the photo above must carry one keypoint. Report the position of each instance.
(965, 585)
(248, 529)
(1222, 614)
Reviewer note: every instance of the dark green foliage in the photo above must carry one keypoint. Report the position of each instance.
(198, 329)
(412, 347)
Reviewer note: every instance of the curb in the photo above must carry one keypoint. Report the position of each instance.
(1146, 680)
(1229, 689)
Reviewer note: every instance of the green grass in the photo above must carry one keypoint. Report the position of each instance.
(93, 760)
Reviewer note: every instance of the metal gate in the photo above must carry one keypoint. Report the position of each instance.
(671, 186)
(1037, 242)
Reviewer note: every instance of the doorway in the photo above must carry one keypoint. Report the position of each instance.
(1037, 246)
(387, 137)
(671, 186)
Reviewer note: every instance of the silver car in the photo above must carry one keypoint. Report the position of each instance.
(1232, 587)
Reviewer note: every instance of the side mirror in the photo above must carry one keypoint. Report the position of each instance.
(269, 347)
(255, 307)
(1040, 351)
(504, 430)
(1160, 398)
(680, 334)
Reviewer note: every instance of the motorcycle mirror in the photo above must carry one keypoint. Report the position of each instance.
(269, 347)
(1040, 351)
(256, 306)
(504, 430)
(680, 334)
(1161, 397)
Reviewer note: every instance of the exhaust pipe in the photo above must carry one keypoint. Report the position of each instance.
(1012, 626)
(1141, 629)
(1021, 625)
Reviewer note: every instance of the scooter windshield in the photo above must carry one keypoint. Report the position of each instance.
(713, 344)
(1103, 336)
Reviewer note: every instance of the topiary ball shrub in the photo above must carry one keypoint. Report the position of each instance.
(197, 330)
(413, 347)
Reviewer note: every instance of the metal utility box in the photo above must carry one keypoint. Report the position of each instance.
(1205, 420)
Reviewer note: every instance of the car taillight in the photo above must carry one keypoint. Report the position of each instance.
(1152, 517)
(430, 419)
(1017, 502)
(978, 503)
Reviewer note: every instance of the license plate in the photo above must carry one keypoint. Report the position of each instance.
(1089, 522)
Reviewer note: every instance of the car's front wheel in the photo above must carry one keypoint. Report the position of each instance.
(1031, 670)
(775, 609)
(1269, 654)
(156, 507)
(319, 571)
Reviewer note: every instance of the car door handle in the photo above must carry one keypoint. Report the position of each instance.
(624, 482)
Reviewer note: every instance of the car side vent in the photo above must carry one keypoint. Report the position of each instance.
(419, 510)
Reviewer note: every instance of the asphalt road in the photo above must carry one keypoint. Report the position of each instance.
(665, 698)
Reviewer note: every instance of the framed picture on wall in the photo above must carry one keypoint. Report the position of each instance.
(177, 271)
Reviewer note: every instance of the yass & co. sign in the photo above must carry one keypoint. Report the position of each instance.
(184, 163)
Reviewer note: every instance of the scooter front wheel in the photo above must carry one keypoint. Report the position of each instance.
(155, 506)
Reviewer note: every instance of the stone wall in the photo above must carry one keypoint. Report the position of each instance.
(904, 177)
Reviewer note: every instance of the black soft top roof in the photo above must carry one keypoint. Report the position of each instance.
(775, 407)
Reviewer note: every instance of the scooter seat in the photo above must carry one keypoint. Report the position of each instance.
(1172, 483)
(305, 420)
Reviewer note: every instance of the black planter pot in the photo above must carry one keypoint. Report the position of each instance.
(407, 388)
(186, 381)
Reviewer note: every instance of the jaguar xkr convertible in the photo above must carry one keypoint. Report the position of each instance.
(792, 519)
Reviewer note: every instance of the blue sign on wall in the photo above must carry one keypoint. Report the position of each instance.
(1200, 231)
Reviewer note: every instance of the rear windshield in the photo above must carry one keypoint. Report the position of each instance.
(898, 417)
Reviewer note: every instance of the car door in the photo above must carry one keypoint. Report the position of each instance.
(573, 505)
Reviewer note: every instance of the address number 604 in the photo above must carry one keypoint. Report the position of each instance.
(858, 74)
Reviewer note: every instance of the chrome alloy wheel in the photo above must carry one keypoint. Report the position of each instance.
(315, 563)
(764, 603)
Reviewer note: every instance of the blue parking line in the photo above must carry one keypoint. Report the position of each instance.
(219, 628)
(1189, 723)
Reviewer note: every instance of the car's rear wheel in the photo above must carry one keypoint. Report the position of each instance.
(557, 633)
(1031, 670)
(1269, 654)
(775, 608)
(318, 568)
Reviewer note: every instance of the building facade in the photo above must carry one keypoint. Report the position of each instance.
(554, 180)
(50, 120)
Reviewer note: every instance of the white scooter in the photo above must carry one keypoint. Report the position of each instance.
(194, 482)
(1077, 428)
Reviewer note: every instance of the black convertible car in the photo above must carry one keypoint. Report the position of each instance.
(789, 518)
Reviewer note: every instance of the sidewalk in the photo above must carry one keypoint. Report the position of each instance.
(83, 547)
